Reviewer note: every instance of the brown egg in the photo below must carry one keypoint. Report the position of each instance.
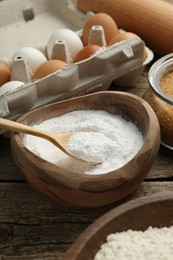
(5, 73)
(102, 19)
(86, 52)
(122, 37)
(125, 36)
(49, 67)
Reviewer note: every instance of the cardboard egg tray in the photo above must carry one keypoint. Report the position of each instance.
(30, 24)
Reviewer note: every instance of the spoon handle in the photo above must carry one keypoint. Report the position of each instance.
(59, 140)
(21, 128)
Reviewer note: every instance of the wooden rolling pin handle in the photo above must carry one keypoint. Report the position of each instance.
(151, 20)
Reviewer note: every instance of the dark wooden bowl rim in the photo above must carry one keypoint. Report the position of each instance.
(93, 183)
(138, 214)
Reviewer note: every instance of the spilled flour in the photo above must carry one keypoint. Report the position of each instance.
(99, 136)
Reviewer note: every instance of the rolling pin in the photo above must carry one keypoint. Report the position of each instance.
(152, 20)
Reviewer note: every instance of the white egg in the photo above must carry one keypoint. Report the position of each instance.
(34, 57)
(72, 40)
(10, 86)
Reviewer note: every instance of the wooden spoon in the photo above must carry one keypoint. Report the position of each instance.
(60, 139)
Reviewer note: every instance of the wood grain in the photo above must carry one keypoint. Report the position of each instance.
(32, 227)
(82, 190)
(136, 16)
(123, 218)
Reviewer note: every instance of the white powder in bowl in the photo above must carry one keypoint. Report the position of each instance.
(99, 136)
(153, 243)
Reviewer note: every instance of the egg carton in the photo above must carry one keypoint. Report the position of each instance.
(31, 23)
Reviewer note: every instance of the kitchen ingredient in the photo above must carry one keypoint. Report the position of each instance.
(86, 52)
(99, 136)
(59, 140)
(71, 39)
(164, 112)
(151, 20)
(102, 19)
(166, 84)
(153, 243)
(33, 56)
(5, 73)
(125, 36)
(49, 67)
(122, 37)
(158, 95)
(10, 86)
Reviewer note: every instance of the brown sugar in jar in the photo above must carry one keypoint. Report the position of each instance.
(164, 114)
(160, 96)
(166, 84)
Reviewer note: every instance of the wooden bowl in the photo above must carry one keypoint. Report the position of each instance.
(84, 190)
(138, 214)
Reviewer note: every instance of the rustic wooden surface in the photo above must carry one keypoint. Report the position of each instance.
(32, 227)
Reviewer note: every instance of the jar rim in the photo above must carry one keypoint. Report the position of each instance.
(156, 72)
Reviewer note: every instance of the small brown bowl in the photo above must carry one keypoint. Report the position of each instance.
(138, 214)
(84, 190)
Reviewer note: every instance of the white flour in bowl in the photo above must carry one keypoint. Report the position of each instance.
(151, 244)
(99, 136)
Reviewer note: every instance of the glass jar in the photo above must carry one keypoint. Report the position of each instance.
(160, 96)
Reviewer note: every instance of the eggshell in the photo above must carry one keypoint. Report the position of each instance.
(49, 67)
(125, 36)
(33, 56)
(10, 86)
(5, 73)
(102, 19)
(122, 37)
(72, 40)
(87, 52)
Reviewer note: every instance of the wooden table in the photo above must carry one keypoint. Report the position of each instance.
(32, 227)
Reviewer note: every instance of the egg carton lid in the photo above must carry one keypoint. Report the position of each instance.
(31, 23)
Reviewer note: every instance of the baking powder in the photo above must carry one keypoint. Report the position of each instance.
(99, 136)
